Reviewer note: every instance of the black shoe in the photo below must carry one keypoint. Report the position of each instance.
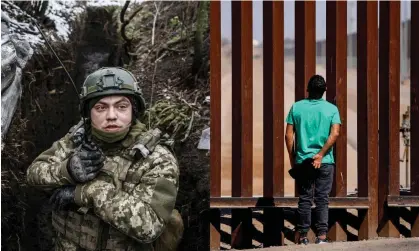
(321, 241)
(303, 241)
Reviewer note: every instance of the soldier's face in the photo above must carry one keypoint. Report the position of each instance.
(112, 114)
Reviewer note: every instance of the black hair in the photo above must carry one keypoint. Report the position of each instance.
(316, 87)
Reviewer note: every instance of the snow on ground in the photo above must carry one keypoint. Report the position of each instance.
(107, 2)
(61, 12)
(58, 11)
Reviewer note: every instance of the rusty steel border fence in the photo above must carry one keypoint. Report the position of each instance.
(378, 68)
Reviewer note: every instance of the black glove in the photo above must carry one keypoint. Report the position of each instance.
(85, 164)
(62, 198)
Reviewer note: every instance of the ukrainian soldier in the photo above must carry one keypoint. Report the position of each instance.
(316, 124)
(113, 185)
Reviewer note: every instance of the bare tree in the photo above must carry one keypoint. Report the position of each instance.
(125, 22)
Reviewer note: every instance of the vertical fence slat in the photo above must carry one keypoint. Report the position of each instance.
(389, 144)
(273, 98)
(242, 118)
(414, 110)
(215, 61)
(367, 90)
(305, 48)
(215, 161)
(414, 98)
(242, 98)
(336, 69)
(215, 237)
(305, 53)
(273, 118)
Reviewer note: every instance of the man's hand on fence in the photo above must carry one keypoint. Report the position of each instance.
(317, 160)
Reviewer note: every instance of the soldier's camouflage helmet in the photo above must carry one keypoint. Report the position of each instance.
(110, 81)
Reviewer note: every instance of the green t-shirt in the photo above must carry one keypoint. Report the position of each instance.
(312, 120)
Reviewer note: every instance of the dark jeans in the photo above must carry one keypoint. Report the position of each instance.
(322, 180)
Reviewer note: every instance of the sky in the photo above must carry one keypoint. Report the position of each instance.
(289, 18)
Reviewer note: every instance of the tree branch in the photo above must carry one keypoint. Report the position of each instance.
(124, 9)
(154, 22)
(124, 23)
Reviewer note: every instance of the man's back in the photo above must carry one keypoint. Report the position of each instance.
(313, 126)
(312, 119)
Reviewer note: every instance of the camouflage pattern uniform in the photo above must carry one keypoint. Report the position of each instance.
(129, 202)
(129, 205)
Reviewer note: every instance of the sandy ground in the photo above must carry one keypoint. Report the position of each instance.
(371, 245)
(289, 99)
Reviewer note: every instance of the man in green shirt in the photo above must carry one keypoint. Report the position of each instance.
(316, 124)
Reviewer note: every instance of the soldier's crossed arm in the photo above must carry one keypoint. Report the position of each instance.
(143, 213)
(48, 170)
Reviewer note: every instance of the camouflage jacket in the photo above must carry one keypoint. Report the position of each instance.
(130, 201)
